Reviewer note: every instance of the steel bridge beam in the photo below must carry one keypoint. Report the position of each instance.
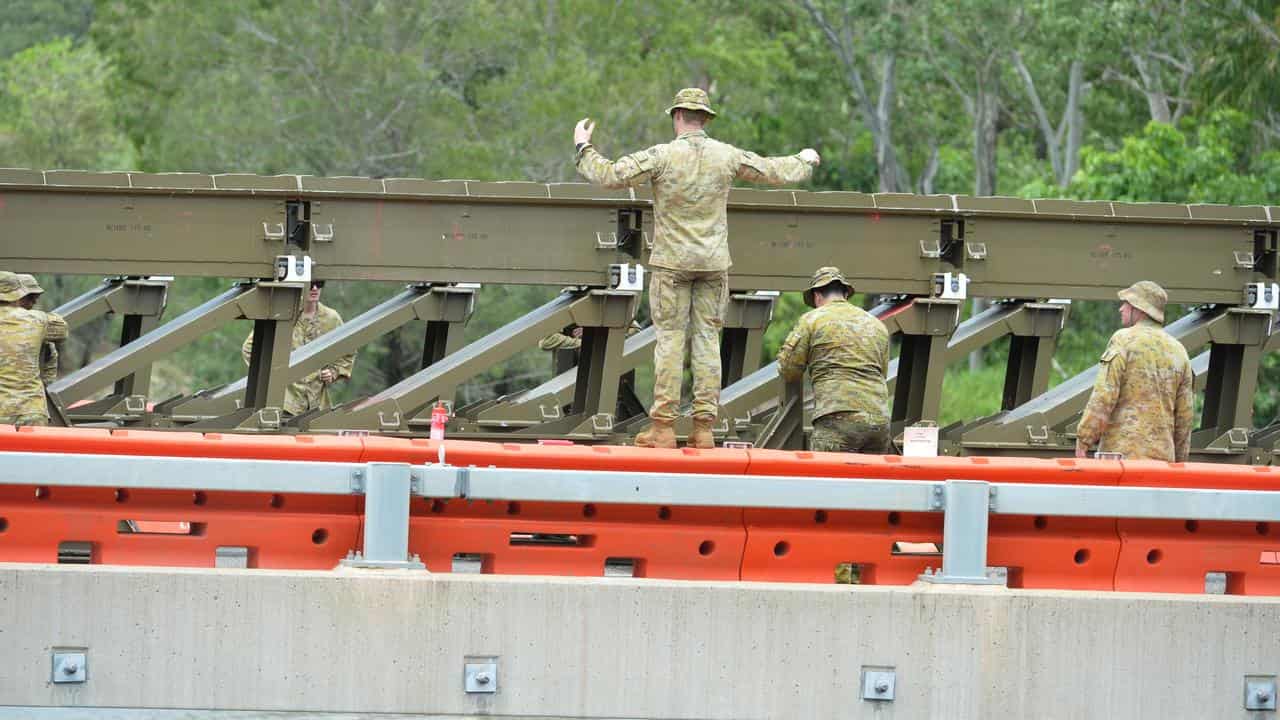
(455, 231)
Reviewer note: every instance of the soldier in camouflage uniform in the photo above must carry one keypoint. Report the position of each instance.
(688, 287)
(22, 334)
(562, 341)
(49, 352)
(1142, 404)
(312, 391)
(573, 339)
(846, 350)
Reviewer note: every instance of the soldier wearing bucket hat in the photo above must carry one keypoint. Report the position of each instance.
(23, 333)
(1143, 399)
(846, 350)
(49, 352)
(311, 392)
(688, 288)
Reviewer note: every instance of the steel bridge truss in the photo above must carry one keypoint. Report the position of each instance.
(924, 255)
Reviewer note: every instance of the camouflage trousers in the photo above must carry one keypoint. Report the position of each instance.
(687, 307)
(848, 432)
(23, 420)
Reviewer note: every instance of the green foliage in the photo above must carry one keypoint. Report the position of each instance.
(968, 395)
(24, 23)
(1198, 162)
(57, 112)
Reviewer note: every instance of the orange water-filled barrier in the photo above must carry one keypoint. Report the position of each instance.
(649, 537)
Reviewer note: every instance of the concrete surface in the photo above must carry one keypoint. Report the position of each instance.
(395, 642)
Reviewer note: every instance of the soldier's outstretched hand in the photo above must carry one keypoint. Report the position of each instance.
(582, 131)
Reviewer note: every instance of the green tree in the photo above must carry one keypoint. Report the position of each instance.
(57, 113)
(24, 23)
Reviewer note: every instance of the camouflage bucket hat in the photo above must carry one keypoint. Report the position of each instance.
(10, 287)
(29, 284)
(1148, 297)
(692, 99)
(823, 277)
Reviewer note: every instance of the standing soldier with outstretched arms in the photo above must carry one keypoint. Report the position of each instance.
(689, 284)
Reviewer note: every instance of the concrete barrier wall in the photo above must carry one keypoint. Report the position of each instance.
(395, 642)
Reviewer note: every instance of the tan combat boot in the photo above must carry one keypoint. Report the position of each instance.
(659, 435)
(701, 436)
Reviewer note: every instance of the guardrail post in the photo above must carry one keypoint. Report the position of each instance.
(386, 519)
(964, 535)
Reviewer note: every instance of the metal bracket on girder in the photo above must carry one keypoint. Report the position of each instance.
(602, 423)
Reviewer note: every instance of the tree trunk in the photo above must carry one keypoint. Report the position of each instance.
(893, 177)
(878, 118)
(1074, 119)
(1062, 143)
(930, 172)
(985, 137)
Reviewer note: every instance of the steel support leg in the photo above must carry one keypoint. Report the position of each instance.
(1027, 373)
(926, 325)
(921, 365)
(138, 383)
(964, 535)
(746, 318)
(266, 382)
(596, 390)
(387, 489)
(600, 369)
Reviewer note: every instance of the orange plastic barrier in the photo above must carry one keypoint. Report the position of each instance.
(96, 441)
(1067, 471)
(664, 542)
(1039, 551)
(1176, 555)
(622, 458)
(137, 526)
(538, 538)
(813, 545)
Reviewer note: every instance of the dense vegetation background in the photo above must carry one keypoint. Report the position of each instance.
(1136, 100)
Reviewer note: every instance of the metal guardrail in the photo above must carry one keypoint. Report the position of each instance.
(388, 488)
(966, 504)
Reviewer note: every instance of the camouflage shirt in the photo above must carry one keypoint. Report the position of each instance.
(847, 352)
(565, 341)
(1143, 400)
(22, 335)
(691, 177)
(310, 392)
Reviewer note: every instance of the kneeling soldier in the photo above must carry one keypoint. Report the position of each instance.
(846, 350)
